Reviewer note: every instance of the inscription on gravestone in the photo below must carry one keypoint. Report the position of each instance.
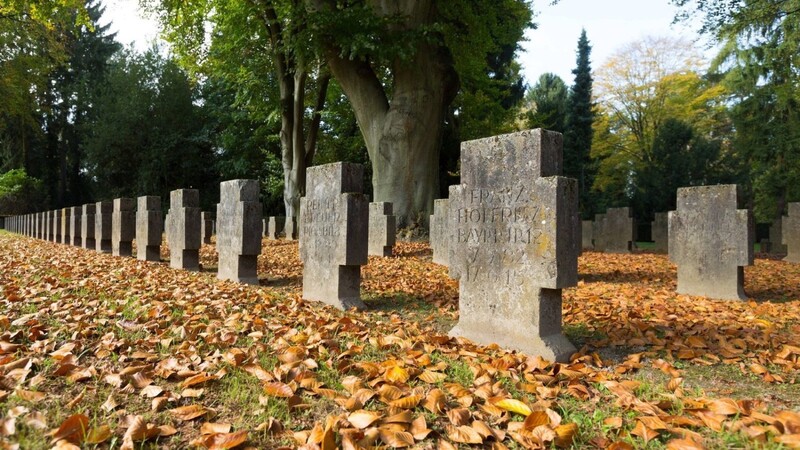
(515, 242)
(711, 241)
(333, 240)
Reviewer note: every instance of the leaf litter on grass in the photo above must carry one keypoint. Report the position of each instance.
(112, 351)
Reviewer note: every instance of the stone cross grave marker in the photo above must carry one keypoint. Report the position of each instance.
(711, 241)
(515, 242)
(382, 229)
(333, 241)
(102, 226)
(791, 233)
(66, 215)
(659, 232)
(587, 235)
(149, 228)
(123, 227)
(776, 238)
(206, 226)
(619, 230)
(75, 226)
(440, 232)
(56, 224)
(275, 226)
(239, 231)
(292, 228)
(183, 229)
(87, 226)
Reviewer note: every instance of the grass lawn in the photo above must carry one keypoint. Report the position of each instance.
(105, 352)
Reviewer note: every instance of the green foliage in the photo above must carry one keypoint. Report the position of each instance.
(20, 193)
(547, 101)
(148, 92)
(759, 65)
(578, 162)
(641, 88)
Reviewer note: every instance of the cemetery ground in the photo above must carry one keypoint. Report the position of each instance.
(106, 352)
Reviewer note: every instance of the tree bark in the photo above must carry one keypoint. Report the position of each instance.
(403, 133)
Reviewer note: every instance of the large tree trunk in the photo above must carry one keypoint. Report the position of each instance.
(402, 134)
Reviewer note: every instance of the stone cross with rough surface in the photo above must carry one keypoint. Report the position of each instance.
(149, 228)
(66, 214)
(275, 226)
(515, 242)
(291, 229)
(56, 224)
(382, 229)
(776, 238)
(440, 232)
(102, 226)
(711, 241)
(659, 232)
(206, 226)
(587, 234)
(619, 230)
(123, 227)
(87, 226)
(333, 241)
(791, 233)
(183, 229)
(239, 230)
(75, 226)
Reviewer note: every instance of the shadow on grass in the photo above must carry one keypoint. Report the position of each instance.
(440, 319)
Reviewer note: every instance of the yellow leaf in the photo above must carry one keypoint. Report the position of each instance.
(396, 374)
(510, 404)
(362, 419)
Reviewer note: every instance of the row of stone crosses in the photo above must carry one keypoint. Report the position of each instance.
(510, 233)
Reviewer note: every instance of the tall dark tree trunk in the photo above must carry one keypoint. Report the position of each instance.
(402, 134)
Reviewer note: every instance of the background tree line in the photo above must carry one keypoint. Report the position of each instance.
(265, 89)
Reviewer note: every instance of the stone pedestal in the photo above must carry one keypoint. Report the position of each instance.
(239, 231)
(333, 241)
(149, 228)
(711, 241)
(183, 229)
(382, 229)
(515, 242)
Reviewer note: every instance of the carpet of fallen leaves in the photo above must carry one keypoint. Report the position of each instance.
(104, 352)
